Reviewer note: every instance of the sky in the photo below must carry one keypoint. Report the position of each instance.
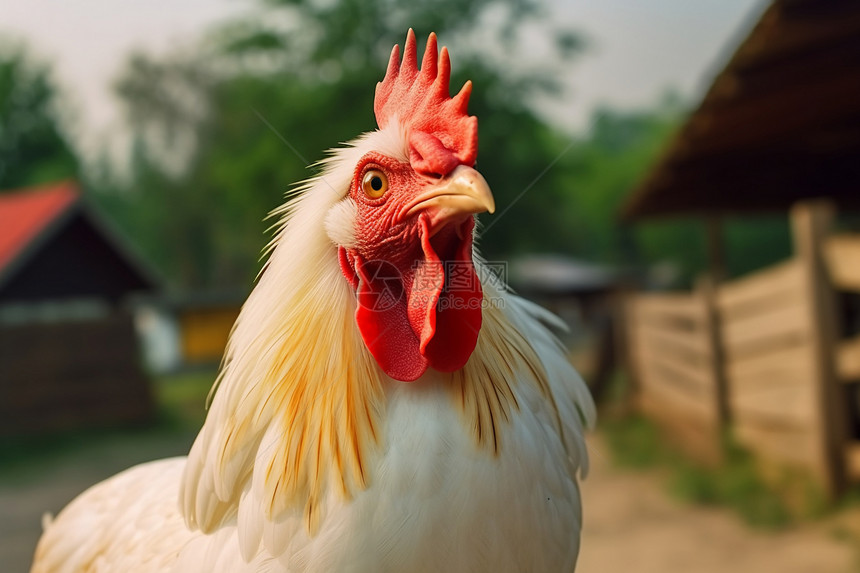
(637, 48)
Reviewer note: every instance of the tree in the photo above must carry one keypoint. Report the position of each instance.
(33, 148)
(265, 96)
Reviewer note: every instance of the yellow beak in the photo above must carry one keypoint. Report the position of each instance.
(464, 191)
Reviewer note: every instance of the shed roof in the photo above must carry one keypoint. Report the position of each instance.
(52, 245)
(780, 123)
(560, 275)
(25, 215)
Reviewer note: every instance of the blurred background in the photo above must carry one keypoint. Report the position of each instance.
(677, 180)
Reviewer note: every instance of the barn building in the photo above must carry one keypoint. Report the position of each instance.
(69, 353)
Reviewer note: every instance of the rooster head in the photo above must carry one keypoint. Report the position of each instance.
(408, 255)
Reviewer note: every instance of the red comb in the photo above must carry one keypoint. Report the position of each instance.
(442, 134)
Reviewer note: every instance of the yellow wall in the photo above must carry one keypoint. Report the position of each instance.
(205, 332)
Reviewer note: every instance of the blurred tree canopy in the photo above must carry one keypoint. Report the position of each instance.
(221, 131)
(32, 148)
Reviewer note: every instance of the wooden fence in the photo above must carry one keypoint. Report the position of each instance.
(672, 344)
(767, 325)
(769, 346)
(842, 253)
(67, 375)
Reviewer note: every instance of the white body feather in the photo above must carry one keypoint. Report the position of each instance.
(433, 499)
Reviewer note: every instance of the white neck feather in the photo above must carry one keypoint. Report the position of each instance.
(296, 371)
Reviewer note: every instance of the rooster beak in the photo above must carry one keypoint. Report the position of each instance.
(464, 191)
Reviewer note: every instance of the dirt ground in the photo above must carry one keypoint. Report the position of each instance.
(631, 524)
(48, 484)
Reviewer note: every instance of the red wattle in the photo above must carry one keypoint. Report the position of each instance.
(383, 322)
(425, 316)
(457, 314)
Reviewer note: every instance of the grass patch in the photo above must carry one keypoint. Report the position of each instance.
(637, 443)
(181, 398)
(735, 484)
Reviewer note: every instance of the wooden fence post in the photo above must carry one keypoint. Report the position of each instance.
(707, 288)
(811, 223)
(627, 330)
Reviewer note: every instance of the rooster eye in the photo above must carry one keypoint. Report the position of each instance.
(374, 183)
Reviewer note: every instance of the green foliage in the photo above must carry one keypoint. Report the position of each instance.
(32, 148)
(601, 171)
(750, 243)
(735, 484)
(222, 131)
(221, 134)
(634, 442)
(181, 399)
(754, 243)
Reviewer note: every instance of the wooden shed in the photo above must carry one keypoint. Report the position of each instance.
(774, 355)
(69, 354)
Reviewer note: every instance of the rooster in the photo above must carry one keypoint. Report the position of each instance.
(385, 403)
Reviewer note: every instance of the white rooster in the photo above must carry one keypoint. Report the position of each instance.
(384, 405)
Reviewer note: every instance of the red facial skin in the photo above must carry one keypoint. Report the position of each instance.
(411, 314)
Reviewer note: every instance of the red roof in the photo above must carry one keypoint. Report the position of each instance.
(25, 214)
